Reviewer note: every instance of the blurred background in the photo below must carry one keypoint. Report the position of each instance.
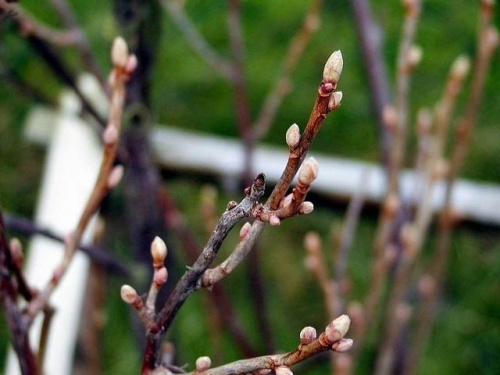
(184, 92)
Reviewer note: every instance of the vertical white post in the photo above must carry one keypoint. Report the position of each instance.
(71, 168)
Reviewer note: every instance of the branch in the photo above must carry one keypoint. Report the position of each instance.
(16, 324)
(124, 65)
(96, 254)
(190, 281)
(196, 40)
(81, 42)
(326, 101)
(331, 339)
(487, 42)
(281, 88)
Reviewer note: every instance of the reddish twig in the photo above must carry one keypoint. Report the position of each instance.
(190, 281)
(487, 42)
(326, 101)
(124, 65)
(16, 323)
(281, 88)
(331, 339)
(370, 36)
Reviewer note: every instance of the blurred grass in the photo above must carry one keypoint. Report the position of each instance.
(187, 93)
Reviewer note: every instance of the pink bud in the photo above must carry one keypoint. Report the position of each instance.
(274, 220)
(306, 207)
(131, 64)
(160, 276)
(307, 335)
(342, 345)
(203, 363)
(110, 135)
(283, 370)
(337, 328)
(244, 230)
(115, 176)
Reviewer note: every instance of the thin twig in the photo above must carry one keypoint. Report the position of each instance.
(96, 254)
(81, 42)
(190, 281)
(124, 65)
(292, 57)
(16, 324)
(370, 37)
(297, 154)
(196, 40)
(487, 42)
(405, 65)
(330, 339)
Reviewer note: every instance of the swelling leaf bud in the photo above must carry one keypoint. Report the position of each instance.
(115, 176)
(333, 68)
(335, 100)
(293, 136)
(308, 172)
(158, 250)
(128, 294)
(119, 52)
(342, 345)
(306, 207)
(203, 363)
(460, 67)
(283, 370)
(337, 328)
(307, 335)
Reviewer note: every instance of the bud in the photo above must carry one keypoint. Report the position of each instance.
(337, 328)
(492, 37)
(308, 172)
(16, 251)
(110, 135)
(274, 220)
(342, 345)
(131, 64)
(203, 363)
(312, 242)
(283, 370)
(426, 285)
(335, 100)
(306, 207)
(390, 118)
(307, 335)
(286, 201)
(115, 176)
(119, 52)
(160, 276)
(244, 230)
(333, 68)
(460, 67)
(158, 250)
(414, 56)
(129, 295)
(293, 136)
(391, 205)
(424, 121)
